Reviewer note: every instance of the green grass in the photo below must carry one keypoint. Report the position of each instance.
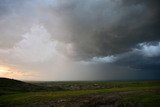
(143, 100)
(19, 98)
(149, 97)
(31, 97)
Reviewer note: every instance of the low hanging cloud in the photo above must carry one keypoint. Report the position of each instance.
(107, 59)
(149, 50)
(145, 57)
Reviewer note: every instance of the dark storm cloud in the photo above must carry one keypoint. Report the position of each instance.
(145, 57)
(138, 61)
(106, 27)
(147, 67)
(143, 62)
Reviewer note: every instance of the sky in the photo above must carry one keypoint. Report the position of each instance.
(58, 40)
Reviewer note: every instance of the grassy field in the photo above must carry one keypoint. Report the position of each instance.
(85, 94)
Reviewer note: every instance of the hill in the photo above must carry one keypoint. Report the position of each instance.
(7, 84)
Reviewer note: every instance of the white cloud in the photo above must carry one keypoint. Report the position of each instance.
(107, 59)
(95, 60)
(149, 50)
(36, 46)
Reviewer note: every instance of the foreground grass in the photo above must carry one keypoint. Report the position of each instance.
(142, 100)
(29, 98)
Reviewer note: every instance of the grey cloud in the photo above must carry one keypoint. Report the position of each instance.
(106, 27)
(16, 18)
(94, 27)
(145, 57)
(101, 31)
(142, 62)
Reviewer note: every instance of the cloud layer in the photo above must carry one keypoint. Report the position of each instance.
(81, 39)
(101, 28)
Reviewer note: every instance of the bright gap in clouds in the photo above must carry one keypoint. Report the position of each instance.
(13, 72)
(149, 50)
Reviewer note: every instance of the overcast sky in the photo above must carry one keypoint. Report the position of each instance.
(80, 39)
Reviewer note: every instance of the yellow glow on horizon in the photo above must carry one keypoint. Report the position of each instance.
(4, 69)
(14, 72)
